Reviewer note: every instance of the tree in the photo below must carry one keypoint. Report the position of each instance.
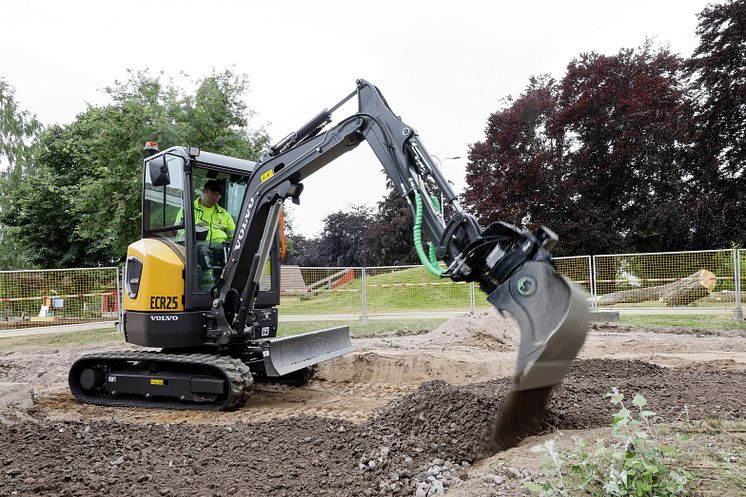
(718, 162)
(340, 244)
(627, 122)
(90, 169)
(591, 155)
(718, 66)
(512, 173)
(387, 241)
(19, 132)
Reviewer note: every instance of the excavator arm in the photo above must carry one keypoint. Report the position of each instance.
(513, 267)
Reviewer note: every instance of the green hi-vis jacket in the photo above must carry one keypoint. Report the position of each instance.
(217, 220)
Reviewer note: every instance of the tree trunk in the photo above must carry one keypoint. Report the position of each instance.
(630, 296)
(689, 289)
(678, 293)
(722, 296)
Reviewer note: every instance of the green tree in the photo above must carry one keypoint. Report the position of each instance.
(19, 131)
(88, 173)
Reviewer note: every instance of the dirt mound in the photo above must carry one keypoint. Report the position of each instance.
(452, 423)
(486, 329)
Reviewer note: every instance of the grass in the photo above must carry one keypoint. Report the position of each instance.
(68, 339)
(109, 335)
(373, 327)
(694, 321)
(384, 294)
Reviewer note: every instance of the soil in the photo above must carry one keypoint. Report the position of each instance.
(404, 415)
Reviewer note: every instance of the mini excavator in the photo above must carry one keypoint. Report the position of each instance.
(210, 308)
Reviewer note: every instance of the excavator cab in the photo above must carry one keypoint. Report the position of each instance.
(185, 259)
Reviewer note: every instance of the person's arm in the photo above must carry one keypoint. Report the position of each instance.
(230, 225)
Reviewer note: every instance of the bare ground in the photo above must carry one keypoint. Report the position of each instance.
(403, 415)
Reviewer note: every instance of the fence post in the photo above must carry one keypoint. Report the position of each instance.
(593, 276)
(120, 300)
(737, 275)
(472, 299)
(364, 315)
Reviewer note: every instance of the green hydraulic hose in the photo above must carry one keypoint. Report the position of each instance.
(431, 263)
(431, 245)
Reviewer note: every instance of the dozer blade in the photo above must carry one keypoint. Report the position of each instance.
(553, 317)
(284, 355)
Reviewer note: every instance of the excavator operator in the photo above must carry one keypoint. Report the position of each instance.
(207, 213)
(217, 228)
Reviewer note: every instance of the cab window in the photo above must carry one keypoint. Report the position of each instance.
(162, 204)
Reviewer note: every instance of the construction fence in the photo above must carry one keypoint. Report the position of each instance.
(58, 297)
(702, 282)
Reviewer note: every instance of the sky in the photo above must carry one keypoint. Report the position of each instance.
(443, 66)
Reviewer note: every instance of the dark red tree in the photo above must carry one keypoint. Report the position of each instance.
(513, 174)
(627, 125)
(590, 156)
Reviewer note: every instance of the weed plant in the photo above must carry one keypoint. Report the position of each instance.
(632, 463)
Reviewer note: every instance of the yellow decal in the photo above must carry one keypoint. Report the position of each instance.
(264, 177)
(157, 381)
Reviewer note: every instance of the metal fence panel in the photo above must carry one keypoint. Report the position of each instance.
(57, 297)
(403, 289)
(622, 281)
(321, 291)
(702, 279)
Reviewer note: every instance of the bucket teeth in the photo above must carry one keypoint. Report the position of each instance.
(553, 318)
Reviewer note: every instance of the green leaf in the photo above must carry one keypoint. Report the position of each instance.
(616, 396)
(621, 417)
(533, 487)
(647, 414)
(639, 401)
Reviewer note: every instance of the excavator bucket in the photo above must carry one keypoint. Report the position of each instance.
(553, 317)
(552, 314)
(285, 355)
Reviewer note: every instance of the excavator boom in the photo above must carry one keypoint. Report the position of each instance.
(513, 267)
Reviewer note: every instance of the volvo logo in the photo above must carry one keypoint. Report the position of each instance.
(164, 318)
(244, 225)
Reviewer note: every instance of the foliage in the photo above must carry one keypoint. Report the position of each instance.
(19, 133)
(716, 205)
(590, 155)
(19, 130)
(340, 243)
(634, 464)
(370, 238)
(718, 66)
(388, 239)
(78, 204)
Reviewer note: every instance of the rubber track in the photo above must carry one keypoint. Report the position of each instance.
(236, 372)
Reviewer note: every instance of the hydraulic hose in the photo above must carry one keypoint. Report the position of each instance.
(431, 262)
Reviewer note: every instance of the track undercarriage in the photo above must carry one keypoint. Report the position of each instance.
(201, 381)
